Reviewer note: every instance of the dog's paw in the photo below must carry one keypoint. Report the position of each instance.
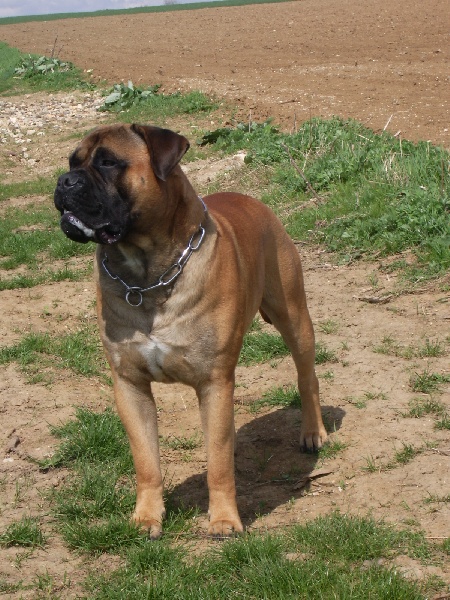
(225, 528)
(311, 441)
(153, 527)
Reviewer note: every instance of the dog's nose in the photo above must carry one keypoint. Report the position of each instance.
(69, 180)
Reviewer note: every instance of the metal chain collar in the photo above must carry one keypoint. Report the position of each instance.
(133, 293)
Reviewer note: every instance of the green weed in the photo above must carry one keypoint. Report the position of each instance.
(30, 73)
(331, 449)
(26, 532)
(443, 423)
(329, 326)
(122, 97)
(182, 442)
(406, 454)
(78, 351)
(278, 396)
(427, 383)
(261, 347)
(418, 407)
(324, 355)
(430, 349)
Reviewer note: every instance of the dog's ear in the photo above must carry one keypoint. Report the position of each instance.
(166, 148)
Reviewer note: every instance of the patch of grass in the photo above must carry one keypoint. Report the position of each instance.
(10, 588)
(354, 539)
(427, 383)
(78, 351)
(26, 532)
(324, 355)
(434, 499)
(430, 348)
(31, 238)
(96, 501)
(443, 423)
(323, 558)
(371, 465)
(269, 566)
(21, 72)
(406, 454)
(27, 237)
(156, 108)
(278, 396)
(94, 437)
(374, 194)
(418, 407)
(331, 449)
(42, 186)
(182, 442)
(357, 402)
(329, 326)
(260, 347)
(446, 546)
(390, 347)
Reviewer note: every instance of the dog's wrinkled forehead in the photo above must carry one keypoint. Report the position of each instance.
(113, 141)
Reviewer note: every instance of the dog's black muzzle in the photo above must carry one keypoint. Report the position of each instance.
(84, 214)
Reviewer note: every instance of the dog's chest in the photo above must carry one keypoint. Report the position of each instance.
(156, 353)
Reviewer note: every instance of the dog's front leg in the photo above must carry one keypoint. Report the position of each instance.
(217, 414)
(137, 410)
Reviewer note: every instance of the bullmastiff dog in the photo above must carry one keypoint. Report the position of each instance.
(179, 280)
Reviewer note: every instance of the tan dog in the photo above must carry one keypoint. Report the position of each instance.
(179, 281)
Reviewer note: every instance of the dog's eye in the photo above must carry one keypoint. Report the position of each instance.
(108, 162)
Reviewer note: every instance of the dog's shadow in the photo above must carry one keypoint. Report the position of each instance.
(270, 466)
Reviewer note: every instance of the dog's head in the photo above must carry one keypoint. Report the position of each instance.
(115, 174)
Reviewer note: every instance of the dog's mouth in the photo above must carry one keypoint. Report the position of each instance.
(78, 231)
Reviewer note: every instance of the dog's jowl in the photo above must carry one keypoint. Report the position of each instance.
(179, 280)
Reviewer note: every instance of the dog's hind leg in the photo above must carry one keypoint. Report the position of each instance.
(284, 304)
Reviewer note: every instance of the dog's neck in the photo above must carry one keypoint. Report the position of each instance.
(143, 257)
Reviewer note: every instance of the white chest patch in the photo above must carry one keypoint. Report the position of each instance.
(154, 352)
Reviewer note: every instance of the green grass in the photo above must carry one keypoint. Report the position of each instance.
(377, 195)
(31, 237)
(329, 326)
(429, 349)
(33, 80)
(136, 106)
(26, 533)
(38, 354)
(260, 346)
(419, 407)
(361, 401)
(41, 186)
(326, 558)
(427, 383)
(333, 556)
(182, 442)
(278, 396)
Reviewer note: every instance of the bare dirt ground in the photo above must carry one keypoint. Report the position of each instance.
(367, 60)
(370, 61)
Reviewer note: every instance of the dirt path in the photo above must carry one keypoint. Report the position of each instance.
(377, 61)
